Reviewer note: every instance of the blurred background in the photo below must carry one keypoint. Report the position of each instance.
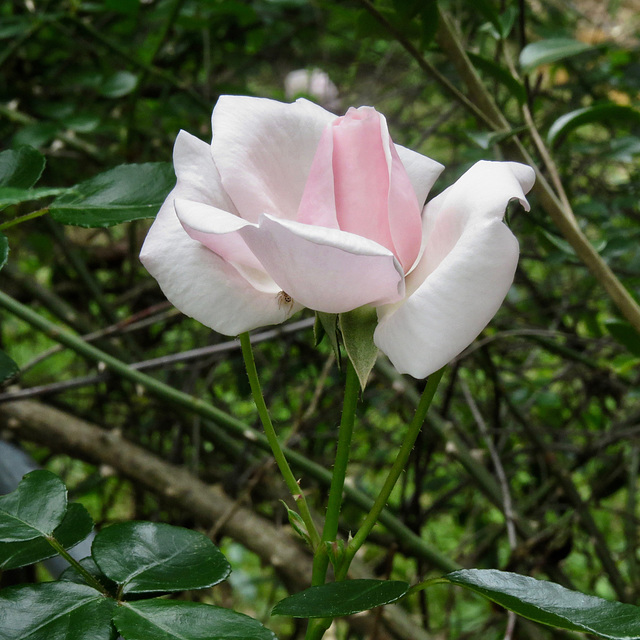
(530, 458)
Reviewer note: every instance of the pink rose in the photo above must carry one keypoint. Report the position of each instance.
(292, 207)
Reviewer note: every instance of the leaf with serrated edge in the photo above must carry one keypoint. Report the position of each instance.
(55, 611)
(172, 620)
(34, 509)
(341, 598)
(552, 604)
(148, 557)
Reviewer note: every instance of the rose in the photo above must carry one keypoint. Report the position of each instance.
(293, 207)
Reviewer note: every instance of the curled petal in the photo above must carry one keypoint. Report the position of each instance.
(198, 282)
(263, 150)
(452, 306)
(325, 269)
(422, 171)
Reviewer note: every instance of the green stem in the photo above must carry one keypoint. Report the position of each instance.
(394, 473)
(334, 503)
(24, 218)
(89, 579)
(270, 433)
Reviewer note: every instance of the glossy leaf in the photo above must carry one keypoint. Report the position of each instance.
(34, 509)
(16, 195)
(71, 574)
(173, 620)
(8, 368)
(604, 113)
(357, 329)
(551, 50)
(124, 193)
(75, 527)
(549, 603)
(20, 168)
(341, 598)
(147, 557)
(55, 611)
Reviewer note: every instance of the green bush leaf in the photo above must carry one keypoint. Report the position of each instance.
(55, 611)
(20, 168)
(551, 604)
(148, 557)
(603, 113)
(71, 574)
(171, 620)
(500, 74)
(75, 527)
(625, 334)
(34, 509)
(551, 50)
(341, 598)
(124, 193)
(8, 368)
(16, 195)
(119, 84)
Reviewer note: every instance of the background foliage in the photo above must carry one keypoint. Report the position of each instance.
(530, 459)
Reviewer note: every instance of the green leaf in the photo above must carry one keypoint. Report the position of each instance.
(551, 50)
(609, 113)
(124, 193)
(148, 557)
(55, 611)
(75, 527)
(16, 195)
(357, 329)
(71, 574)
(174, 620)
(20, 168)
(8, 368)
(341, 598)
(516, 89)
(625, 334)
(34, 509)
(297, 523)
(551, 604)
(119, 84)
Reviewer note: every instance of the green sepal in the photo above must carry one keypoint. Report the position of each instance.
(327, 325)
(357, 329)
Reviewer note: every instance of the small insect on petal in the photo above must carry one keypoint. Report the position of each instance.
(284, 299)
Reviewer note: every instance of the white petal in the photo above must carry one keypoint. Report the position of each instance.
(454, 304)
(325, 269)
(198, 282)
(422, 171)
(263, 150)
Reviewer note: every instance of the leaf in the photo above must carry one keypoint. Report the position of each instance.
(75, 527)
(550, 50)
(176, 620)
(588, 115)
(119, 84)
(71, 574)
(148, 557)
(34, 509)
(516, 89)
(8, 368)
(20, 168)
(357, 329)
(341, 598)
(55, 611)
(551, 604)
(625, 334)
(16, 195)
(124, 193)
